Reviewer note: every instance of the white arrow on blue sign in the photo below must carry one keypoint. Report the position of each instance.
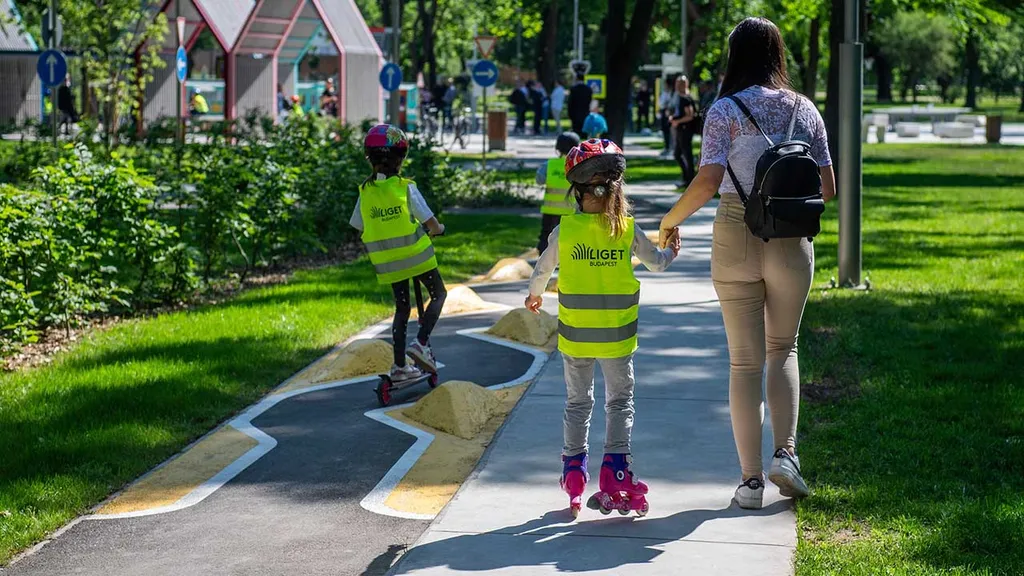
(485, 73)
(52, 67)
(390, 77)
(181, 64)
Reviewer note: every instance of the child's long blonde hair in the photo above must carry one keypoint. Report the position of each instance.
(606, 188)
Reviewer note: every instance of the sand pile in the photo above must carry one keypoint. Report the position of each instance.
(461, 298)
(524, 326)
(359, 358)
(508, 270)
(552, 286)
(531, 254)
(457, 407)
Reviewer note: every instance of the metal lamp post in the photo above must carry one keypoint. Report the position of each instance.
(851, 85)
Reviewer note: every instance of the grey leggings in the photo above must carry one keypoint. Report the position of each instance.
(762, 287)
(579, 403)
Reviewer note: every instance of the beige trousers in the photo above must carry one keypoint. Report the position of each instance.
(762, 287)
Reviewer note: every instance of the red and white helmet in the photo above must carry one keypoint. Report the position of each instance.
(592, 157)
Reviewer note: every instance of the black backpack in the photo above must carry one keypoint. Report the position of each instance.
(786, 200)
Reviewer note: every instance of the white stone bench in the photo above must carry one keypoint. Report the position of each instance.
(908, 129)
(879, 121)
(977, 120)
(954, 130)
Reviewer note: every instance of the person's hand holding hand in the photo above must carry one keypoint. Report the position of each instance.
(533, 303)
(675, 242)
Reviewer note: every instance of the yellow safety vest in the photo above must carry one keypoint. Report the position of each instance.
(556, 187)
(598, 295)
(399, 247)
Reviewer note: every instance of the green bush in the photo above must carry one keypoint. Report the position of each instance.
(89, 230)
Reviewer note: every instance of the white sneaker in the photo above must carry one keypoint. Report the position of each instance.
(423, 355)
(750, 494)
(402, 373)
(785, 473)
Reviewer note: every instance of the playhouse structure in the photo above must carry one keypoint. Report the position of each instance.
(239, 51)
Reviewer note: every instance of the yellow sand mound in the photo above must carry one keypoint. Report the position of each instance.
(461, 299)
(552, 286)
(457, 407)
(524, 326)
(531, 254)
(359, 358)
(510, 269)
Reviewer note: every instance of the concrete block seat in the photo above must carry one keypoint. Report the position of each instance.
(879, 121)
(976, 119)
(908, 129)
(954, 130)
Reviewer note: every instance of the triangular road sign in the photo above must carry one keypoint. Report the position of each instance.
(485, 44)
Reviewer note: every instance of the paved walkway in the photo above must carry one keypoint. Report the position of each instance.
(512, 518)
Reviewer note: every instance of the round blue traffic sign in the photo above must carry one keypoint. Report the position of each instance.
(390, 77)
(485, 73)
(52, 67)
(181, 64)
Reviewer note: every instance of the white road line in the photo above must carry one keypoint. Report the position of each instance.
(374, 501)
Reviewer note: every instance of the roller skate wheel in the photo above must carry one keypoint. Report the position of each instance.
(605, 511)
(575, 510)
(624, 511)
(643, 510)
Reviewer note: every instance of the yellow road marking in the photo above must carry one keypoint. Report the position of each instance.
(184, 474)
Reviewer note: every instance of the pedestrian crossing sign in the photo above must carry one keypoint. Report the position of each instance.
(597, 84)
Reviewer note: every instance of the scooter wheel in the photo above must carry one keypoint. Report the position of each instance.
(384, 392)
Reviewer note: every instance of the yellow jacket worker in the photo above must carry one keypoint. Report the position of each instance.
(557, 202)
(389, 212)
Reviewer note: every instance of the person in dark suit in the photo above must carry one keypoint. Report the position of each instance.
(683, 125)
(580, 96)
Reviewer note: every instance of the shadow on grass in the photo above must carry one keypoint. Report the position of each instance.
(933, 447)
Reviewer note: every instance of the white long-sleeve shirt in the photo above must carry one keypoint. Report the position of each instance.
(417, 206)
(654, 259)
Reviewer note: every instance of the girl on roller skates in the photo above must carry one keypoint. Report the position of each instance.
(389, 212)
(598, 302)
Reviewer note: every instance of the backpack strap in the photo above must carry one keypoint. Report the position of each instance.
(746, 112)
(792, 119)
(736, 183)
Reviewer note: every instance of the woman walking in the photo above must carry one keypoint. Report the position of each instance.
(762, 286)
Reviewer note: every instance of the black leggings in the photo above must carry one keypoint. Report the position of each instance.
(684, 154)
(435, 287)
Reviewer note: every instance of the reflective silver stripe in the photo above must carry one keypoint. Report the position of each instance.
(598, 301)
(392, 243)
(405, 263)
(597, 335)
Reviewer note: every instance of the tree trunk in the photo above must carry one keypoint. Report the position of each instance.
(883, 72)
(1021, 109)
(547, 43)
(428, 60)
(973, 70)
(813, 55)
(835, 36)
(698, 34)
(622, 51)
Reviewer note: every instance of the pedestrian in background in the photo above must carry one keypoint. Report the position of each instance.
(580, 96)
(557, 104)
(643, 106)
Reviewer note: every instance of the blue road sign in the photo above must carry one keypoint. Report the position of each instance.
(390, 77)
(181, 64)
(52, 67)
(485, 73)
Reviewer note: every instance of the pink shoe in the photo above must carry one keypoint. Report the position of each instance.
(620, 489)
(574, 480)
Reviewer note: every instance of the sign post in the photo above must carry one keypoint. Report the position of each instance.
(485, 44)
(485, 73)
(394, 103)
(181, 71)
(390, 80)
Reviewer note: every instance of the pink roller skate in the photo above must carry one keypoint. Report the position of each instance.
(574, 480)
(620, 489)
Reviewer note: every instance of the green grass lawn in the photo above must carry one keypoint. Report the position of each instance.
(912, 427)
(125, 399)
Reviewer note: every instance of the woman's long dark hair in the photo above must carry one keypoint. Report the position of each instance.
(757, 57)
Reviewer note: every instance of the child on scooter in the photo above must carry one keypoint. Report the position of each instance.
(389, 214)
(598, 302)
